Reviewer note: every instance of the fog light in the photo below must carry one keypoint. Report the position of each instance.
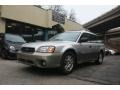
(43, 63)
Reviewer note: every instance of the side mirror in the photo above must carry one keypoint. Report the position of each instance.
(84, 39)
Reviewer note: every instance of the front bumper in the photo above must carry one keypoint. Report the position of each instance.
(11, 54)
(42, 60)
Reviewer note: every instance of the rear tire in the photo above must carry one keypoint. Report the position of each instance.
(67, 62)
(99, 59)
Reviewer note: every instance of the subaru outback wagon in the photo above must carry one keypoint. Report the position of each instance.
(64, 51)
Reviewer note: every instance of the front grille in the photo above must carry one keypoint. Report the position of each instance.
(28, 49)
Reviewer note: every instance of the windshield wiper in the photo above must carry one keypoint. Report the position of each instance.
(56, 40)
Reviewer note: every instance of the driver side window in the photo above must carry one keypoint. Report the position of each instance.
(85, 36)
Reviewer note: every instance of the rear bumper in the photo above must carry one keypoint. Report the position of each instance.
(42, 60)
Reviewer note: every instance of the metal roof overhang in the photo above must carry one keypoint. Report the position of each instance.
(105, 22)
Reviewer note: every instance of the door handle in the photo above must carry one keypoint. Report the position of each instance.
(90, 46)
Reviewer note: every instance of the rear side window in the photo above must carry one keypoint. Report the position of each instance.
(95, 38)
(90, 37)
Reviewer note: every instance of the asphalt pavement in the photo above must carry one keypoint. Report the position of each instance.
(14, 73)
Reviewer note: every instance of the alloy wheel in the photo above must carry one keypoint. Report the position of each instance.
(69, 63)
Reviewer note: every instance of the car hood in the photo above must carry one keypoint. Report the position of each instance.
(17, 45)
(47, 43)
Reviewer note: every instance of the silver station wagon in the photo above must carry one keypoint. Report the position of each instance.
(63, 51)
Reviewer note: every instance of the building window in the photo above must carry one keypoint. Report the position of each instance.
(39, 35)
(51, 33)
(29, 32)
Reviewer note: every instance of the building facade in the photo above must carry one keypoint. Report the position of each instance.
(31, 21)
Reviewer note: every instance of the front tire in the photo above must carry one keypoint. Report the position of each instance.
(67, 62)
(99, 59)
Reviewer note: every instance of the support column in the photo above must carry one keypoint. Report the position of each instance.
(105, 39)
(2, 25)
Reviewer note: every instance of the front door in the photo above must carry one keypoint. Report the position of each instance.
(85, 48)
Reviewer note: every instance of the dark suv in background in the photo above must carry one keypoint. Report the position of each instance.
(9, 45)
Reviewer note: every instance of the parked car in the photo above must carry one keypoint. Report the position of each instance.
(117, 52)
(9, 45)
(109, 51)
(64, 51)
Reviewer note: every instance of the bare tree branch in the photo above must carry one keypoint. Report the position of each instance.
(72, 15)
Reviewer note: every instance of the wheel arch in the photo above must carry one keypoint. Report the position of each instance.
(73, 51)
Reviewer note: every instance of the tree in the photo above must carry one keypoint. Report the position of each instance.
(59, 28)
(59, 9)
(72, 15)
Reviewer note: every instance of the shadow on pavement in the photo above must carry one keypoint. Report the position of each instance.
(43, 72)
(53, 71)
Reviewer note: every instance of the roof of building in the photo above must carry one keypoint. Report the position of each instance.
(104, 16)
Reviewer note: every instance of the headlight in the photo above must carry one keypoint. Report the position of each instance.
(12, 48)
(46, 49)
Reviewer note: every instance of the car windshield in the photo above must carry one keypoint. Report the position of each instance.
(14, 38)
(66, 36)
